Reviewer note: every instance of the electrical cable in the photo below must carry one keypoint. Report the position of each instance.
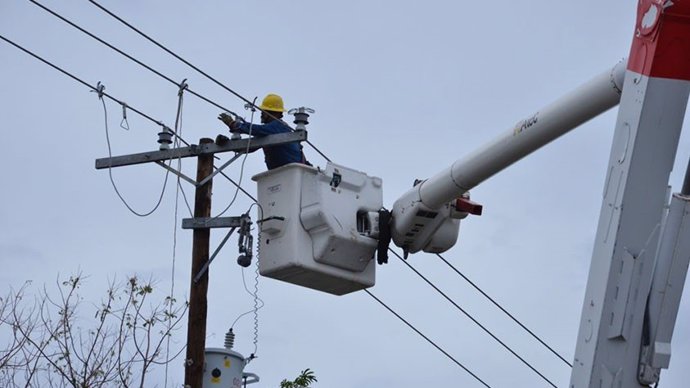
(178, 137)
(131, 58)
(133, 109)
(172, 53)
(161, 75)
(158, 73)
(79, 80)
(503, 310)
(256, 300)
(238, 186)
(172, 276)
(254, 309)
(427, 339)
(258, 305)
(178, 186)
(147, 67)
(255, 293)
(110, 171)
(256, 277)
(184, 196)
(165, 78)
(473, 319)
(197, 69)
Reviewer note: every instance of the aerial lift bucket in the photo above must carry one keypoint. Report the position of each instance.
(318, 227)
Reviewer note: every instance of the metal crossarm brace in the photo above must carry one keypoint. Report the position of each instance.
(192, 181)
(178, 173)
(213, 256)
(218, 170)
(240, 146)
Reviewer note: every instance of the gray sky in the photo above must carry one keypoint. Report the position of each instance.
(401, 90)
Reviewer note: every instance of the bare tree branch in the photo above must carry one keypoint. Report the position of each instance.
(53, 345)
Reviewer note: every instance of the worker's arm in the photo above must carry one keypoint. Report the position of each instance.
(271, 128)
(260, 129)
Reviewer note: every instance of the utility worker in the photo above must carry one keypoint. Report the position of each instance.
(272, 110)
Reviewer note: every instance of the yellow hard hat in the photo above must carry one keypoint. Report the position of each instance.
(273, 103)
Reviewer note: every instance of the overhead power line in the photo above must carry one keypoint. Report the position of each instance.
(128, 56)
(196, 68)
(161, 46)
(191, 92)
(65, 72)
(153, 70)
(133, 109)
(504, 310)
(468, 315)
(427, 339)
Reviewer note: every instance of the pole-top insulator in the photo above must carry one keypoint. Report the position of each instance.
(301, 117)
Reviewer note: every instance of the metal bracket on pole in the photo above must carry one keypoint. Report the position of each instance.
(203, 270)
(215, 222)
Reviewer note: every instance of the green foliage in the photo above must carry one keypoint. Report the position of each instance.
(304, 380)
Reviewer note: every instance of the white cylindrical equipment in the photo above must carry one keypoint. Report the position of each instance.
(419, 216)
(589, 100)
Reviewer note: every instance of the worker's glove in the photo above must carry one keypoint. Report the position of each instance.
(227, 120)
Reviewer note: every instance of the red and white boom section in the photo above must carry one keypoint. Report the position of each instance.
(642, 247)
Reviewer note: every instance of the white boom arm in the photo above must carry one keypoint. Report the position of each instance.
(424, 218)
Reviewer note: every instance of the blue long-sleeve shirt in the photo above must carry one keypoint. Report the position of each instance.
(278, 155)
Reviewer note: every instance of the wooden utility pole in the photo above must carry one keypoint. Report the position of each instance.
(201, 224)
(198, 303)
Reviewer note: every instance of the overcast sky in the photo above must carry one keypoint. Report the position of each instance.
(401, 90)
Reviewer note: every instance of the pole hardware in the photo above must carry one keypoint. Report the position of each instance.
(202, 223)
(301, 117)
(165, 138)
(194, 150)
(245, 242)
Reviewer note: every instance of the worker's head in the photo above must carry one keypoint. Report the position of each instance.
(272, 105)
